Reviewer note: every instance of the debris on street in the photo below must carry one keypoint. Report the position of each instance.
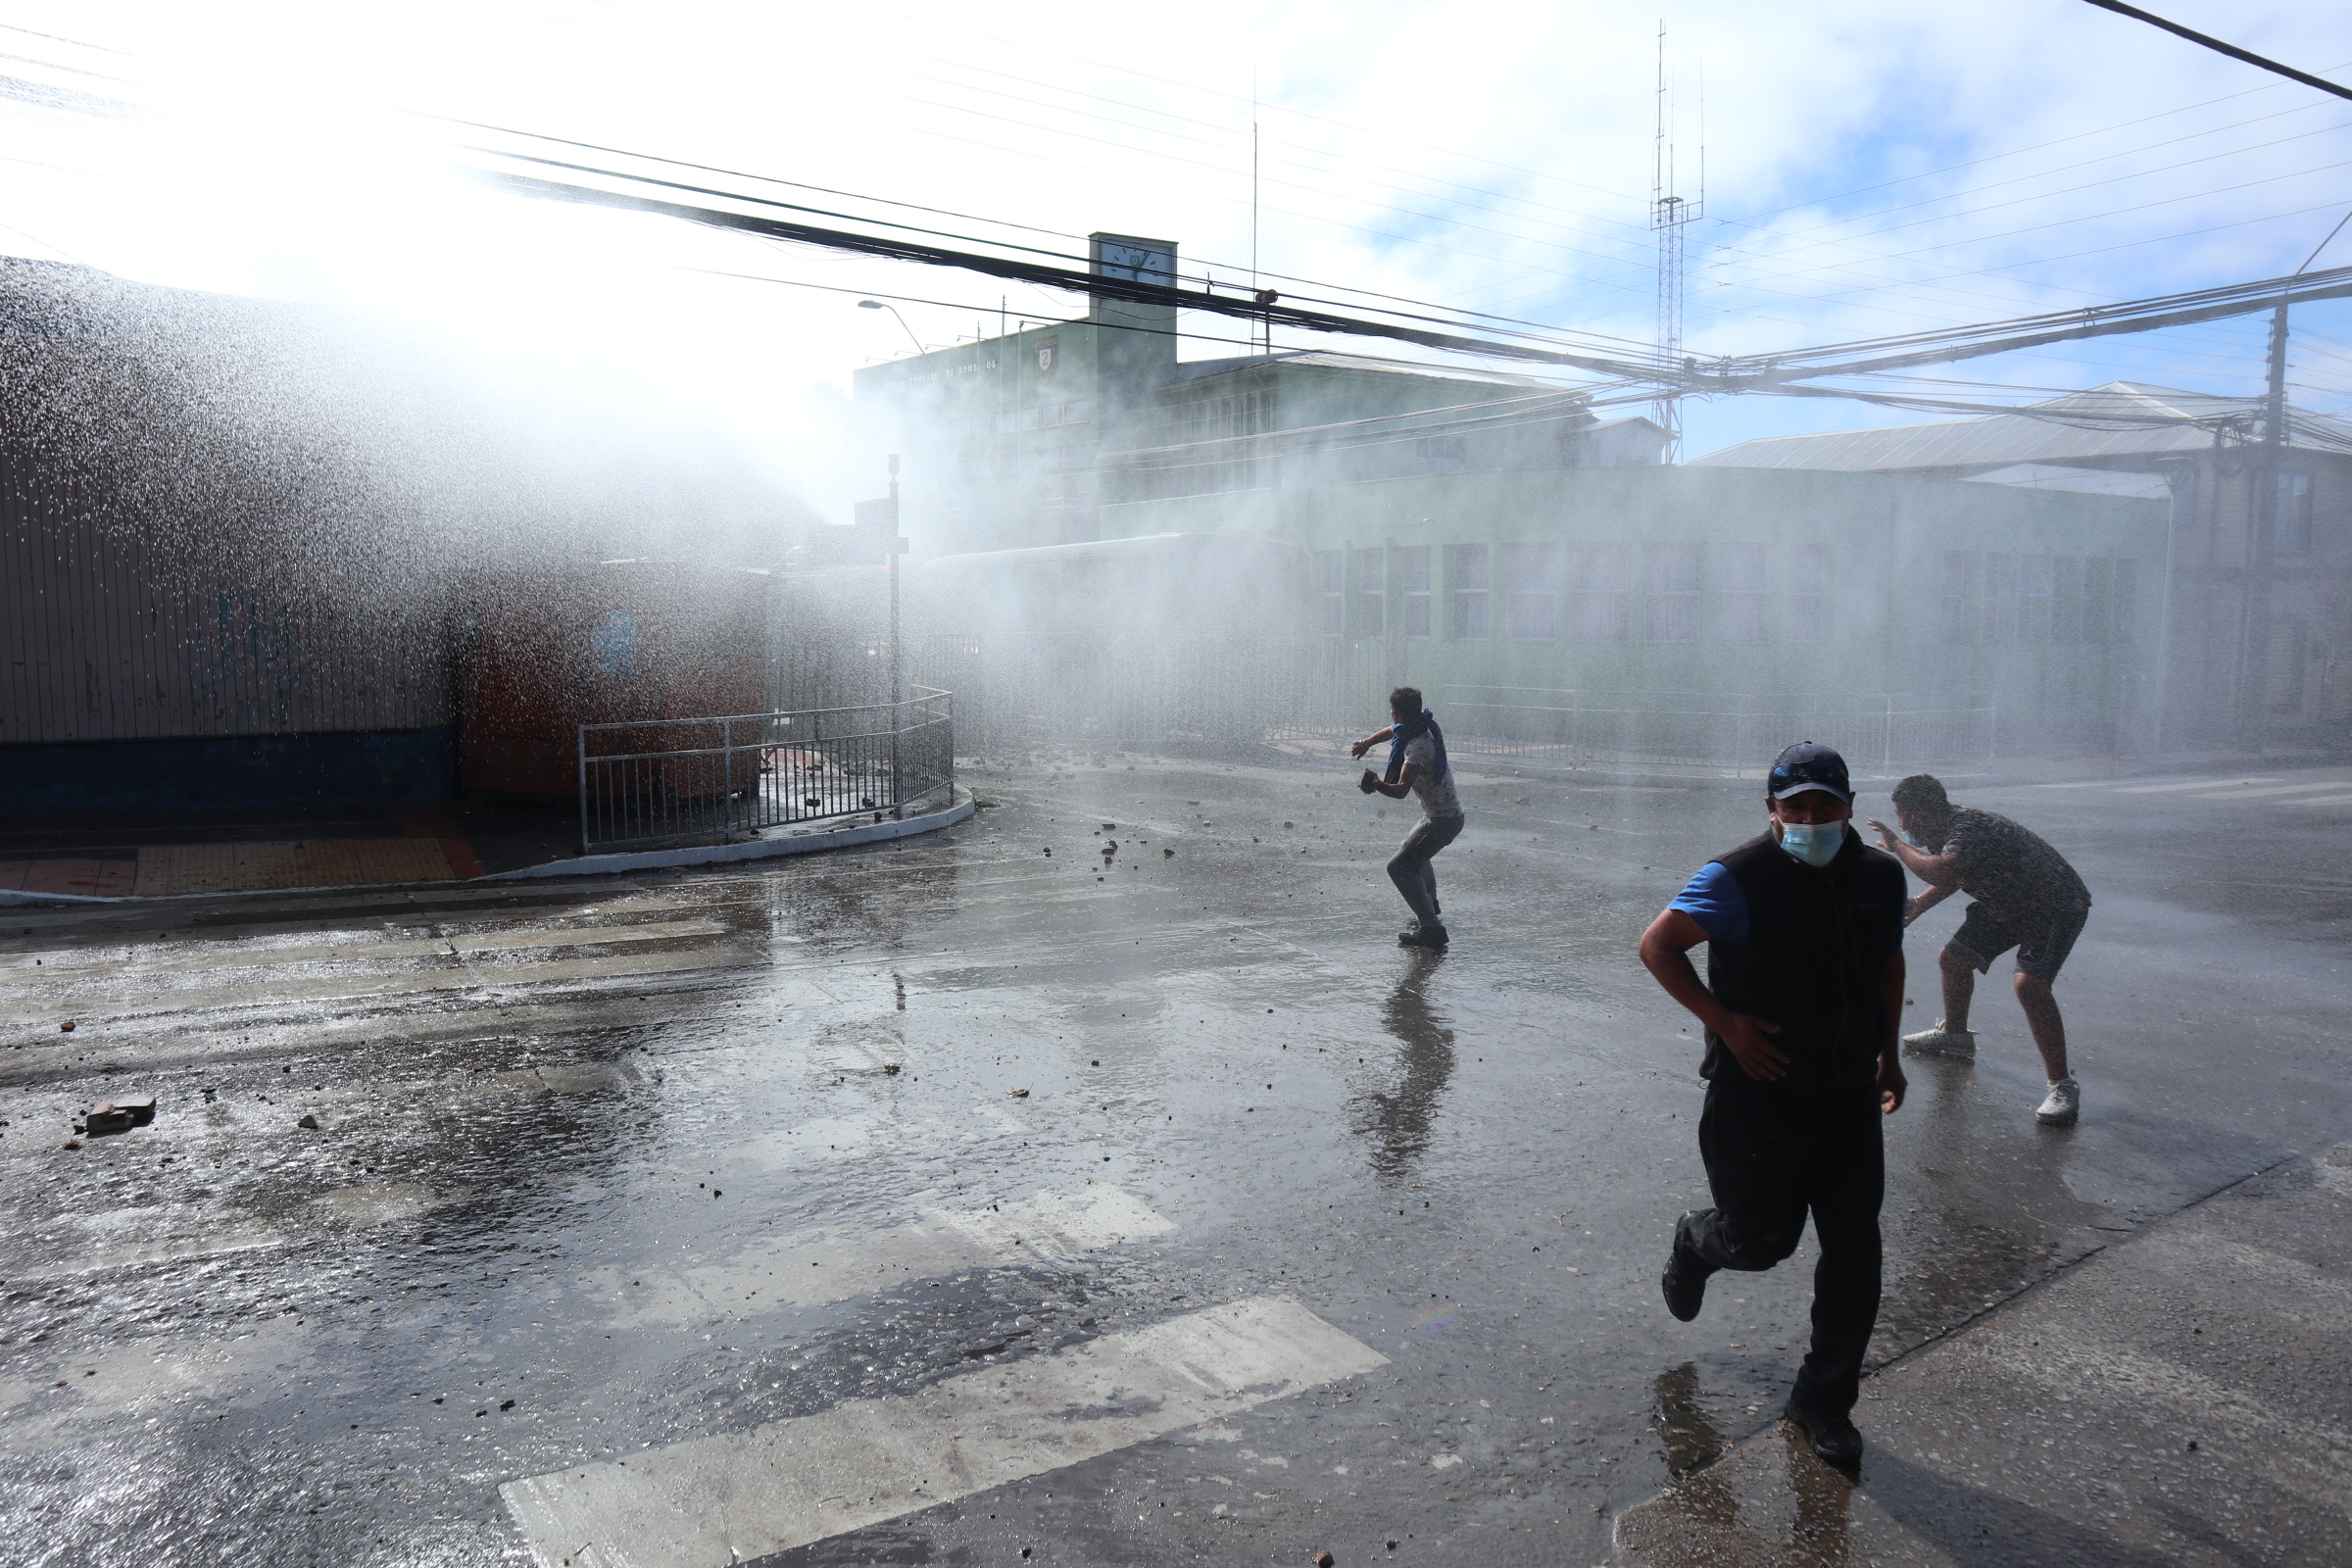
(118, 1115)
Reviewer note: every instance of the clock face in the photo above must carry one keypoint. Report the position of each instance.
(1138, 264)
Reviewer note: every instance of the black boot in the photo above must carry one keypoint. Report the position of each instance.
(1685, 1281)
(1834, 1441)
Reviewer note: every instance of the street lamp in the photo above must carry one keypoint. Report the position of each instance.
(877, 305)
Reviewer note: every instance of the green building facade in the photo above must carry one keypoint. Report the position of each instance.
(1651, 587)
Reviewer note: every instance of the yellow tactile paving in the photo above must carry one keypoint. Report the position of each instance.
(299, 863)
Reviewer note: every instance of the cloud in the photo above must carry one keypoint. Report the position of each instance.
(1869, 169)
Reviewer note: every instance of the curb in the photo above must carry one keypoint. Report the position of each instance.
(960, 806)
(750, 850)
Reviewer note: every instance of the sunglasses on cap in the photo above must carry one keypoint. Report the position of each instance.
(1789, 777)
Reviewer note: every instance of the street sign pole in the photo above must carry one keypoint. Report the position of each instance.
(898, 662)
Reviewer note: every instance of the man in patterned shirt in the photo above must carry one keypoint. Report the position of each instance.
(2026, 898)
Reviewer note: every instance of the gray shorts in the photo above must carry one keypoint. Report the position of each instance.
(2042, 938)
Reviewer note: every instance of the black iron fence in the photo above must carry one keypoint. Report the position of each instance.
(717, 780)
(1569, 728)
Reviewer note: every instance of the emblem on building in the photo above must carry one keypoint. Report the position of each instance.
(614, 644)
(1049, 352)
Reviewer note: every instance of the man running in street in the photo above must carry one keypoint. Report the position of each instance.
(2027, 898)
(1804, 933)
(1418, 765)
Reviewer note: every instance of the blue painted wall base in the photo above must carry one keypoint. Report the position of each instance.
(367, 768)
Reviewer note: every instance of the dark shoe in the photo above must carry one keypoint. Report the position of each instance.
(1685, 1281)
(1433, 936)
(1834, 1441)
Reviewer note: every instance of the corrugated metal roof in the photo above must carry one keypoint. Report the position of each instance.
(2084, 481)
(1360, 364)
(2120, 421)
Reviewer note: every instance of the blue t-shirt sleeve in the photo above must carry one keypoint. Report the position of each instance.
(1714, 900)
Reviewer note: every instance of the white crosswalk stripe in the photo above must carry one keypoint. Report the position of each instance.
(372, 985)
(2242, 793)
(2331, 788)
(56, 969)
(725, 1499)
(101, 982)
(818, 1268)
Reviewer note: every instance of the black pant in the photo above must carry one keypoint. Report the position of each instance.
(1773, 1157)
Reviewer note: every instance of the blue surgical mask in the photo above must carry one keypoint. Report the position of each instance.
(1814, 843)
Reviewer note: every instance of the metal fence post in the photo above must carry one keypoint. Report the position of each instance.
(897, 761)
(726, 778)
(581, 739)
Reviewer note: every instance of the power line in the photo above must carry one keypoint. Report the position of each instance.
(713, 169)
(1507, 327)
(2048, 195)
(1133, 292)
(2219, 47)
(2167, 201)
(1757, 219)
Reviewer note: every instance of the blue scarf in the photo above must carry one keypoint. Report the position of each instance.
(1410, 730)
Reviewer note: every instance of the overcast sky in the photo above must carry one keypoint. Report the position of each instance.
(1869, 169)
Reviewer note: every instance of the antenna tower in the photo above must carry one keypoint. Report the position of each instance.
(1669, 216)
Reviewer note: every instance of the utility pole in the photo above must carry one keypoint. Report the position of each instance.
(2262, 504)
(1669, 216)
(898, 662)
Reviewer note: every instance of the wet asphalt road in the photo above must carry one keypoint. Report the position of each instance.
(576, 1144)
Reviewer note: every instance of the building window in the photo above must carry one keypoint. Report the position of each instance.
(1331, 591)
(2068, 598)
(1371, 593)
(1531, 596)
(2290, 515)
(1440, 452)
(2282, 669)
(1599, 582)
(1670, 592)
(1742, 594)
(1958, 623)
(2034, 613)
(1412, 590)
(2127, 600)
(2000, 599)
(1466, 567)
(2098, 600)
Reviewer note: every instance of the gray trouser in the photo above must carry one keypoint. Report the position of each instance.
(1410, 870)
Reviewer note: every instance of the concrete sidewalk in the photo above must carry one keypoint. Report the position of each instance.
(507, 842)
(2182, 1398)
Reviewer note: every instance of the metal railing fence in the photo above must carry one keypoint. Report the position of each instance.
(705, 780)
(1570, 728)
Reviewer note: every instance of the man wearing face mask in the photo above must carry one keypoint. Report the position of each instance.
(1804, 933)
(2026, 897)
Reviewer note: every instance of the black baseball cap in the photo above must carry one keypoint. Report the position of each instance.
(1809, 766)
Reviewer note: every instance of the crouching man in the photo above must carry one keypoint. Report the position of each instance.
(2027, 898)
(1417, 766)
(1804, 933)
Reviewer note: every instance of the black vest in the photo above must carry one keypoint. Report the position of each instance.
(1818, 942)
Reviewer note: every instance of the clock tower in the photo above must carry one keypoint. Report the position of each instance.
(1136, 261)
(1134, 341)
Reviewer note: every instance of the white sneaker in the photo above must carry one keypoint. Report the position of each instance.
(1943, 1042)
(2063, 1106)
